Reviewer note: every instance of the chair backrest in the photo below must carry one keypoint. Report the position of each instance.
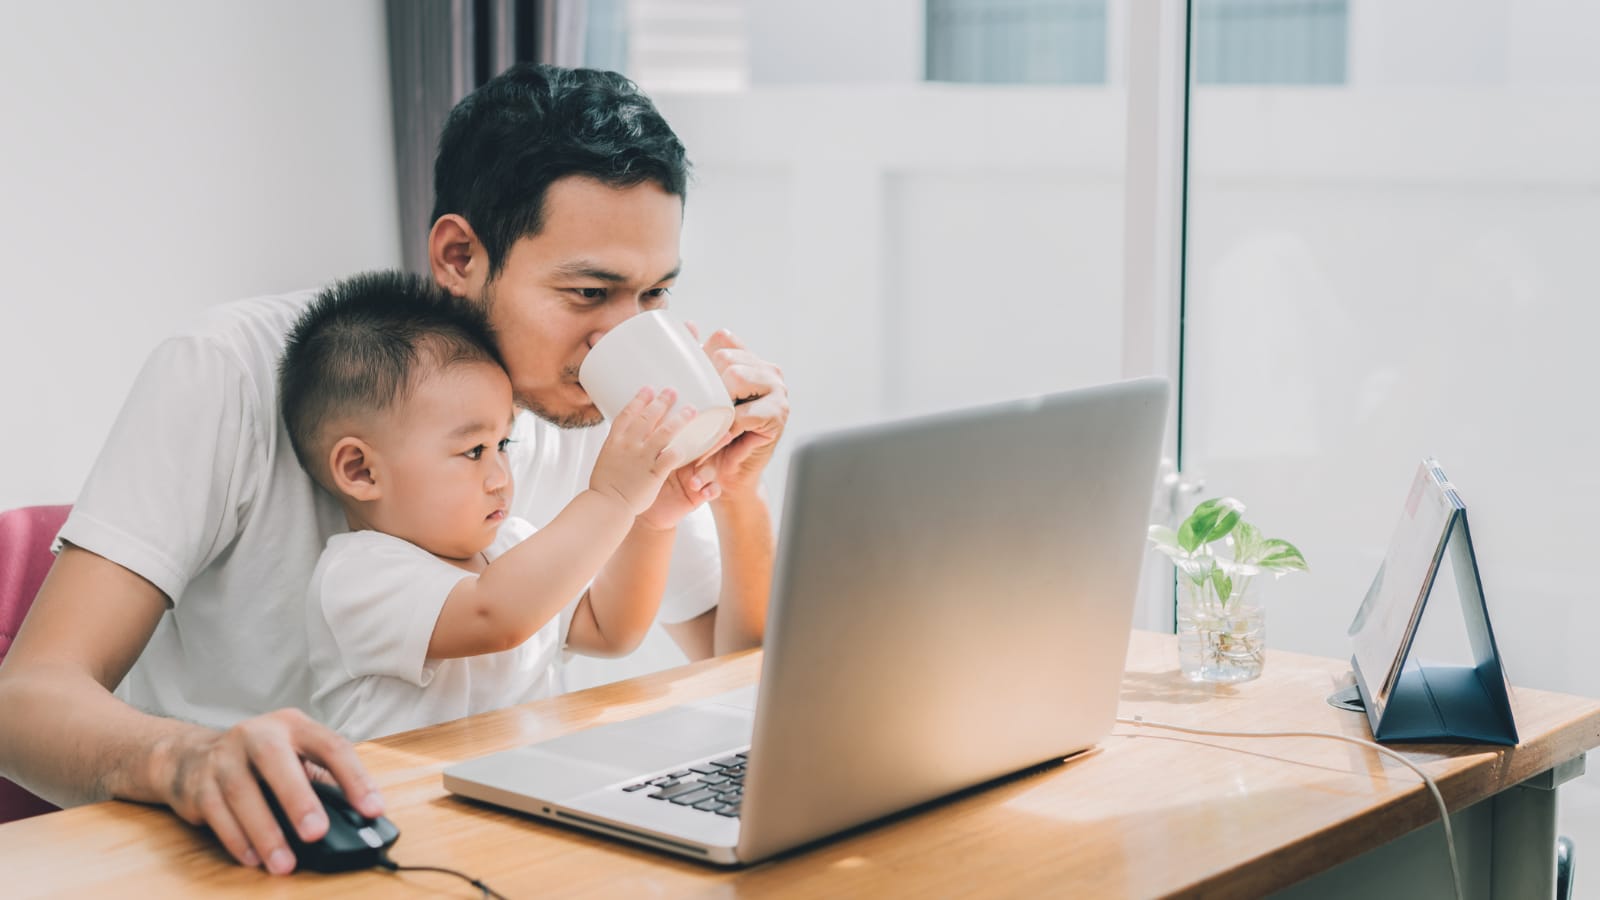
(25, 538)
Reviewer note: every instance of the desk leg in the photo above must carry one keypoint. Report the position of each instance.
(1506, 845)
(1525, 834)
(1524, 843)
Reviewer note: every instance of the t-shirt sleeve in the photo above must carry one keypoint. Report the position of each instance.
(695, 578)
(180, 468)
(381, 600)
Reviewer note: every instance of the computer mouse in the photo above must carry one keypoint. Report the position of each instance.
(353, 841)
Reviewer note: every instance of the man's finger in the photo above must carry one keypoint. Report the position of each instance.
(327, 748)
(723, 339)
(242, 793)
(277, 761)
(214, 810)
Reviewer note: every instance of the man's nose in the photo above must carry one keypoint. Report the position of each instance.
(615, 316)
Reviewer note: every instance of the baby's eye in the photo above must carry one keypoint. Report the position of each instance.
(475, 453)
(504, 443)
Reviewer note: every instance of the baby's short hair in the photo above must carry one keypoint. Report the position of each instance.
(362, 345)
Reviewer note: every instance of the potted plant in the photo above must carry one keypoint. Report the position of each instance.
(1221, 625)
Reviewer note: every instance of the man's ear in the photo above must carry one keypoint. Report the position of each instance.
(354, 468)
(460, 264)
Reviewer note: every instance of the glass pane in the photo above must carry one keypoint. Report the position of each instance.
(898, 245)
(1391, 264)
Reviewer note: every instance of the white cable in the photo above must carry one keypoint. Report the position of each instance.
(1438, 798)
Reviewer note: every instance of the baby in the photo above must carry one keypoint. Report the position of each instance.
(436, 604)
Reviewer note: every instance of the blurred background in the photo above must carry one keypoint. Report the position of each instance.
(1385, 225)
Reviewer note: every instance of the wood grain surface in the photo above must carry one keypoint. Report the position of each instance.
(1142, 815)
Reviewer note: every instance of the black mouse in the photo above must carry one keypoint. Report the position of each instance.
(353, 841)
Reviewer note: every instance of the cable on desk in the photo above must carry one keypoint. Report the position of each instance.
(489, 893)
(1438, 798)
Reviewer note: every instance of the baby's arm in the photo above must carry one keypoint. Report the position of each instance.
(529, 584)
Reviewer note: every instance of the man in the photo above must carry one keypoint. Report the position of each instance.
(558, 207)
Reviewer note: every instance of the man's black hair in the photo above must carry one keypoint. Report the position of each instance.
(509, 140)
(361, 345)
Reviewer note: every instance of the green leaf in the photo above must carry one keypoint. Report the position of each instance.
(1210, 521)
(1223, 584)
(1246, 542)
(1281, 556)
(1165, 539)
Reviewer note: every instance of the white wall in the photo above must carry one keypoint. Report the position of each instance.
(157, 158)
(1485, 43)
(836, 42)
(852, 234)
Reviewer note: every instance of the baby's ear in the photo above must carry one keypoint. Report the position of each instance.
(351, 465)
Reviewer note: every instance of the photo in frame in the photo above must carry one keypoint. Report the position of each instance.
(1405, 699)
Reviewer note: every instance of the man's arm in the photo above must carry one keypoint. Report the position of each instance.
(618, 609)
(88, 625)
(739, 620)
(744, 523)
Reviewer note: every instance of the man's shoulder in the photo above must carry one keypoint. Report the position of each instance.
(242, 339)
(256, 322)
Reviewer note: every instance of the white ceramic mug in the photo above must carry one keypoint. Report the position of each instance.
(654, 350)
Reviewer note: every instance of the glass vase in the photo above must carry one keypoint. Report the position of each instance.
(1220, 639)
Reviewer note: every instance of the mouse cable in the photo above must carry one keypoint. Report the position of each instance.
(488, 892)
(1438, 798)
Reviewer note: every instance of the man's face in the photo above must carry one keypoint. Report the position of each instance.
(603, 255)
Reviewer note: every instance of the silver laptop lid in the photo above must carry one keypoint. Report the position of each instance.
(951, 603)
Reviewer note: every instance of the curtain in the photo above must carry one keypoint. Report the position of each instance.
(439, 51)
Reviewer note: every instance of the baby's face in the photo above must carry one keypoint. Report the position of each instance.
(446, 478)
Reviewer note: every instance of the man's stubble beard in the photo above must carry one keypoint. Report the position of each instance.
(580, 419)
(587, 418)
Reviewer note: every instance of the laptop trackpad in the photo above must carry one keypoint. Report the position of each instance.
(574, 764)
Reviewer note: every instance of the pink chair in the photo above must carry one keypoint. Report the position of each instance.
(25, 538)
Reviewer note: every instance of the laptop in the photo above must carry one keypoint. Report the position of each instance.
(951, 604)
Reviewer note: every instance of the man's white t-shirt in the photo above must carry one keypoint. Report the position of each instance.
(370, 613)
(198, 491)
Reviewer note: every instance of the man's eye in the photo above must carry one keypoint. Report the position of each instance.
(476, 452)
(592, 293)
(657, 296)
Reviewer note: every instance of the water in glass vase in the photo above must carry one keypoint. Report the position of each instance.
(1221, 642)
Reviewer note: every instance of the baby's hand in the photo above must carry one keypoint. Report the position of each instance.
(635, 460)
(677, 499)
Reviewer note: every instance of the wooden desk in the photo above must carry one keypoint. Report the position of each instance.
(1140, 816)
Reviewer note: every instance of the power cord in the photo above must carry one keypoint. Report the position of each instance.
(1438, 798)
(489, 893)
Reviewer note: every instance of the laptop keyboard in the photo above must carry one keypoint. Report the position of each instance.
(716, 786)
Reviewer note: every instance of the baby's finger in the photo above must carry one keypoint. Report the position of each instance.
(661, 438)
(636, 420)
(655, 412)
(635, 406)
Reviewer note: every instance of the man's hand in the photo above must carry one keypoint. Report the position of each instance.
(213, 780)
(761, 410)
(744, 524)
(89, 623)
